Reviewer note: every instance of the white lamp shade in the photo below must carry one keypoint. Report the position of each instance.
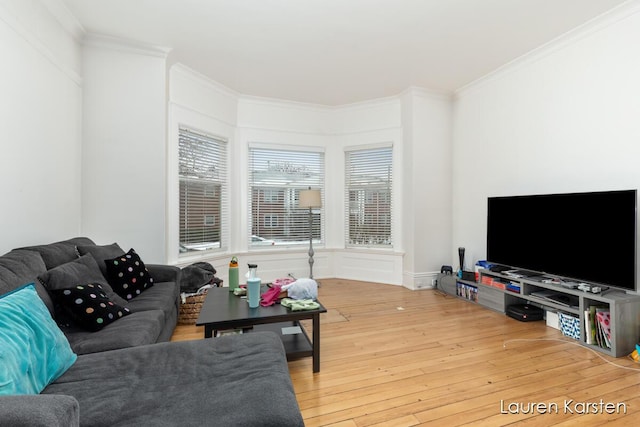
(310, 199)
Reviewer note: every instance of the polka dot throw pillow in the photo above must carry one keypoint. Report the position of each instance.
(127, 275)
(90, 306)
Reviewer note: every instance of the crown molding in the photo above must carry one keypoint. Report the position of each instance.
(599, 23)
(27, 35)
(283, 103)
(427, 93)
(203, 80)
(59, 10)
(104, 41)
(278, 102)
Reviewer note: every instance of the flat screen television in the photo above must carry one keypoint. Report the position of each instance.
(584, 237)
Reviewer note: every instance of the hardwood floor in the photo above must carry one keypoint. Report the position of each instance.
(395, 357)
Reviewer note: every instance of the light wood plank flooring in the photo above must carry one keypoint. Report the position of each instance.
(395, 357)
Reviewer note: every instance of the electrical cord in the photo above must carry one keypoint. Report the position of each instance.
(504, 345)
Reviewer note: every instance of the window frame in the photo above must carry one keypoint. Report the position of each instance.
(358, 194)
(292, 221)
(214, 190)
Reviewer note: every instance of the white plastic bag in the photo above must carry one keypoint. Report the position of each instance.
(302, 289)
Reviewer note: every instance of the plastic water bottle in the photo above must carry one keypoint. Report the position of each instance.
(253, 287)
(233, 274)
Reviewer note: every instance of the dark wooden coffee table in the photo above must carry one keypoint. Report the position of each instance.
(223, 310)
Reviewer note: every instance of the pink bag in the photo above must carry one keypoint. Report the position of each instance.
(270, 296)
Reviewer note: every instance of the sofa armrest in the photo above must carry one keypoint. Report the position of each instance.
(40, 410)
(164, 273)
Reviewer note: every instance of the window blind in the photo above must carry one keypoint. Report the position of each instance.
(275, 178)
(368, 183)
(203, 191)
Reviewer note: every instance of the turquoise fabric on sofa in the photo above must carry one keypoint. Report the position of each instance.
(33, 350)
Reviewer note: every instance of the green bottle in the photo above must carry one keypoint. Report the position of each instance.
(233, 274)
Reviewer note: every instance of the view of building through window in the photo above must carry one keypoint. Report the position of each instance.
(276, 177)
(368, 182)
(202, 175)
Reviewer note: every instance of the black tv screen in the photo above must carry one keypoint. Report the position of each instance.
(585, 237)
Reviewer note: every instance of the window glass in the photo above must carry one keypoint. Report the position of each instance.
(368, 179)
(275, 178)
(203, 195)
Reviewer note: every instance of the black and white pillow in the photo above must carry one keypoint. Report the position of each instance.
(89, 305)
(127, 275)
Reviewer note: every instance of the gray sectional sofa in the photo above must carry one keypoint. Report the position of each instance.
(126, 373)
(154, 312)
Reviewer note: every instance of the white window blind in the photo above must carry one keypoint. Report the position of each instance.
(275, 178)
(203, 191)
(368, 179)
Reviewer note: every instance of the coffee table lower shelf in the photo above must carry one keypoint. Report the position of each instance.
(296, 345)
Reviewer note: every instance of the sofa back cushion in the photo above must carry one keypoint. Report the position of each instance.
(20, 267)
(55, 254)
(101, 253)
(33, 350)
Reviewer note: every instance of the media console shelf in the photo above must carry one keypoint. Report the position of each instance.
(497, 291)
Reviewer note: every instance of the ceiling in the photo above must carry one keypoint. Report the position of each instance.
(336, 52)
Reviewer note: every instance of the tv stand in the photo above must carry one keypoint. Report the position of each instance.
(498, 290)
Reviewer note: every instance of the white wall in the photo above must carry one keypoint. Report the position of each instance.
(563, 119)
(426, 166)
(124, 159)
(40, 124)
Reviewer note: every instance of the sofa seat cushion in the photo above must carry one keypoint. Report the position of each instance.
(138, 328)
(240, 380)
(162, 296)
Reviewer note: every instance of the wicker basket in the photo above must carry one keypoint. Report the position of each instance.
(190, 309)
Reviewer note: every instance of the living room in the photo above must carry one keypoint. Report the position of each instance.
(86, 115)
(546, 130)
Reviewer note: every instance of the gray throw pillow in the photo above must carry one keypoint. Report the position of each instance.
(101, 253)
(82, 271)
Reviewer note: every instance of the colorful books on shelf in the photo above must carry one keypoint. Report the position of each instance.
(598, 324)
